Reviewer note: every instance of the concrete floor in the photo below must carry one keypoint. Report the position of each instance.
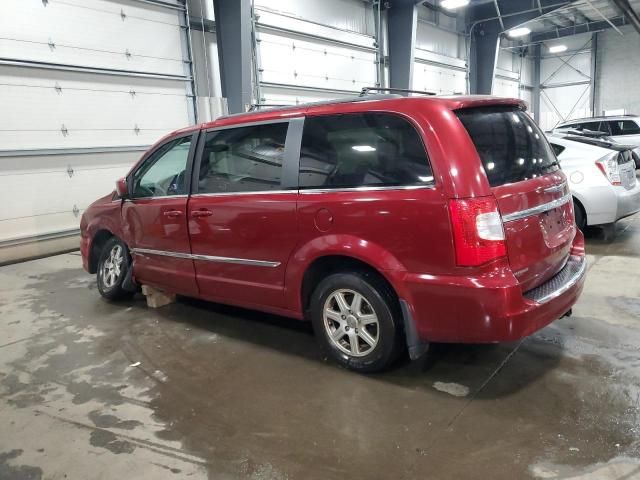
(94, 390)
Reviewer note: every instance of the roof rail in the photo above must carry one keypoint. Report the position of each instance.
(255, 108)
(258, 106)
(366, 90)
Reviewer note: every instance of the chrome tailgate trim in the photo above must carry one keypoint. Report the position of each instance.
(558, 202)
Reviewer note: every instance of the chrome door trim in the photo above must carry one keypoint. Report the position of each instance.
(558, 202)
(366, 189)
(159, 197)
(258, 192)
(209, 258)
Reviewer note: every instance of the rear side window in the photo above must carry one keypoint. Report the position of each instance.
(511, 146)
(359, 150)
(624, 127)
(243, 159)
(557, 149)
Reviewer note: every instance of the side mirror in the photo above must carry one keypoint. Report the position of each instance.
(122, 189)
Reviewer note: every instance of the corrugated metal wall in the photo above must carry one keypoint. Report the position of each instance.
(78, 108)
(440, 59)
(617, 71)
(565, 81)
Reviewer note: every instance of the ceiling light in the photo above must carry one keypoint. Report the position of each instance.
(363, 148)
(519, 32)
(558, 48)
(453, 4)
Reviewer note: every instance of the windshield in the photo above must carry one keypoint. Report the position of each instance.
(511, 146)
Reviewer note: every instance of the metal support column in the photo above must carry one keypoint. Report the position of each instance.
(535, 100)
(594, 72)
(402, 20)
(482, 59)
(233, 32)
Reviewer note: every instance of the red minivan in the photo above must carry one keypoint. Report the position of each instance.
(388, 222)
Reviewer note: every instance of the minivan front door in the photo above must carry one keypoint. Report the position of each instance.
(242, 214)
(155, 218)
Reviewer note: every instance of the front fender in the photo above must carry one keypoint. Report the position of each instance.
(351, 246)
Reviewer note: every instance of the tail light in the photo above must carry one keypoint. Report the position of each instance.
(609, 167)
(477, 230)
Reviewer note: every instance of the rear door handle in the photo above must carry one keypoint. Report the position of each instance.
(201, 213)
(173, 213)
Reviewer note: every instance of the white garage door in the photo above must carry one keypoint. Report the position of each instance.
(309, 51)
(85, 86)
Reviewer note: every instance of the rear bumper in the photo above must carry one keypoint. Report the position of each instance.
(490, 308)
(628, 201)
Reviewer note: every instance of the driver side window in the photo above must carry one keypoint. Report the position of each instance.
(164, 172)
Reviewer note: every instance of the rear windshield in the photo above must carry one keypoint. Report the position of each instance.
(511, 146)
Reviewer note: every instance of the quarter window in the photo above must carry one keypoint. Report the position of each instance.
(164, 172)
(243, 159)
(624, 127)
(364, 149)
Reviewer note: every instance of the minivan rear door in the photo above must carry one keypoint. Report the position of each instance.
(531, 191)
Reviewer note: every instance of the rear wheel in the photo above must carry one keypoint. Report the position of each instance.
(355, 319)
(581, 217)
(113, 266)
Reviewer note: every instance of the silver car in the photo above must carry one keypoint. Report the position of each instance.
(621, 129)
(603, 181)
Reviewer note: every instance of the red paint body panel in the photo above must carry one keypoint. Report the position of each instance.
(160, 224)
(405, 234)
(252, 226)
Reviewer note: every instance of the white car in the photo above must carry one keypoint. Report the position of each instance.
(622, 129)
(602, 181)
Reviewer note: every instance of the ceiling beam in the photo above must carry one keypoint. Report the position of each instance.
(560, 32)
(629, 12)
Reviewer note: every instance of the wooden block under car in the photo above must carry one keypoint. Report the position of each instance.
(157, 298)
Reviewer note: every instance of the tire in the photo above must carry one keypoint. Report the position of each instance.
(359, 346)
(581, 217)
(113, 265)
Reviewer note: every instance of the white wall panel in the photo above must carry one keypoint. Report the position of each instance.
(430, 37)
(438, 79)
(150, 35)
(351, 15)
(618, 71)
(97, 110)
(44, 195)
(565, 78)
(503, 87)
(294, 60)
(46, 109)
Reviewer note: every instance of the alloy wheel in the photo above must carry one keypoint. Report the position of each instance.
(112, 266)
(351, 323)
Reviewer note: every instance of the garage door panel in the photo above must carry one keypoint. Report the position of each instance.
(50, 34)
(27, 140)
(57, 190)
(295, 61)
(438, 79)
(45, 109)
(42, 77)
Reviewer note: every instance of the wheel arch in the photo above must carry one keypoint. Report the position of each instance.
(325, 265)
(578, 199)
(97, 243)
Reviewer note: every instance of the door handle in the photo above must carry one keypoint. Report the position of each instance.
(172, 213)
(201, 213)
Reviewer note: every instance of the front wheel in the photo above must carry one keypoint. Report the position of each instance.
(113, 266)
(356, 319)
